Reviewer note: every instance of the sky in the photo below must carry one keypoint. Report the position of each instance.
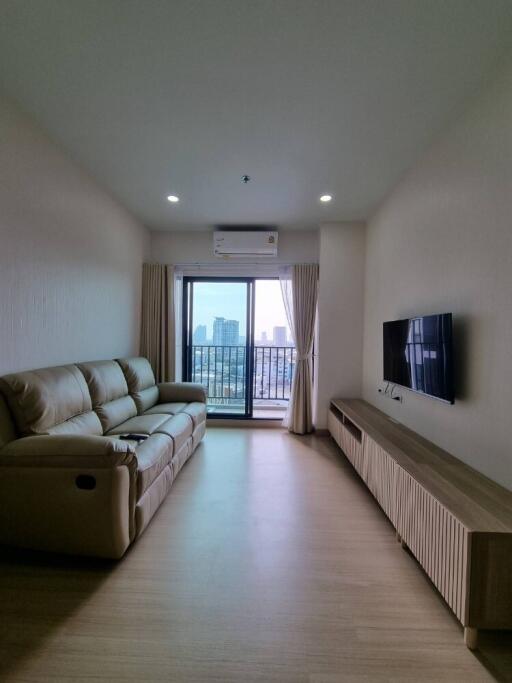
(229, 300)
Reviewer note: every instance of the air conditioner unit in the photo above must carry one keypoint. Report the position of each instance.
(235, 244)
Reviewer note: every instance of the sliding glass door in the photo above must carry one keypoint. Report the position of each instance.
(218, 348)
(238, 345)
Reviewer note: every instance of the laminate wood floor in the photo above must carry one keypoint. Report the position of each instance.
(268, 562)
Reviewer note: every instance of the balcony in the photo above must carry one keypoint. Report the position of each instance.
(223, 371)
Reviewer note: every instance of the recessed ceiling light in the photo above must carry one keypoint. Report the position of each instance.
(173, 198)
(326, 198)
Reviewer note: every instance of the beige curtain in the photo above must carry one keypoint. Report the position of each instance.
(299, 286)
(157, 335)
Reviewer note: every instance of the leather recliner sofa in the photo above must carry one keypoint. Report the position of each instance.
(89, 451)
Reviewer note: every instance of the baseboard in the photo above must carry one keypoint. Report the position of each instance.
(254, 424)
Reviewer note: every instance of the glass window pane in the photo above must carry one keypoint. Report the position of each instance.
(274, 352)
(219, 332)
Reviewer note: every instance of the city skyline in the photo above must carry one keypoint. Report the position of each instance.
(229, 300)
(279, 336)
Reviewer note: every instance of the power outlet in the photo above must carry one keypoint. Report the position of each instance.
(394, 397)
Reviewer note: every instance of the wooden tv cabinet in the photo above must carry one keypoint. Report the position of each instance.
(456, 522)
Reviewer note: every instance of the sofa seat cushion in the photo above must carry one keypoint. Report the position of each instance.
(86, 424)
(168, 408)
(141, 424)
(197, 412)
(178, 427)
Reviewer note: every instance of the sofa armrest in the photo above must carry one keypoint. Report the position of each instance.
(65, 450)
(171, 392)
(68, 494)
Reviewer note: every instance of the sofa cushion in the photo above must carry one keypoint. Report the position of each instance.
(7, 431)
(145, 399)
(105, 380)
(115, 412)
(178, 427)
(167, 408)
(196, 410)
(138, 373)
(141, 382)
(86, 423)
(109, 392)
(40, 400)
(141, 424)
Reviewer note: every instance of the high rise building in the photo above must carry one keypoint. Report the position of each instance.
(199, 337)
(280, 336)
(225, 332)
(231, 332)
(218, 331)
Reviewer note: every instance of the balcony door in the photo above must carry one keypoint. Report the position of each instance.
(218, 333)
(238, 345)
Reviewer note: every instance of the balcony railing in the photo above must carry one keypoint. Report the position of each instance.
(222, 370)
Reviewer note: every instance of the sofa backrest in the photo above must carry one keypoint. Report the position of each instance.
(50, 401)
(141, 382)
(109, 392)
(7, 430)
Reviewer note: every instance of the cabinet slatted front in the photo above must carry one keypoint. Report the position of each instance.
(436, 538)
(456, 522)
(380, 475)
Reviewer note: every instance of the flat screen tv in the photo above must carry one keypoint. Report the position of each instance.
(418, 355)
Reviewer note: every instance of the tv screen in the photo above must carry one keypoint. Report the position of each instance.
(418, 355)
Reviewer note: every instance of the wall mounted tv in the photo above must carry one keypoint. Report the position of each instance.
(418, 355)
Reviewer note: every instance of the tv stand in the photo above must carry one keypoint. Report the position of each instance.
(456, 522)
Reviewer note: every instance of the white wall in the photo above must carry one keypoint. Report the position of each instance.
(340, 315)
(443, 242)
(70, 257)
(294, 246)
(339, 249)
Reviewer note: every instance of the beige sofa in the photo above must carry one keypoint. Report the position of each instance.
(70, 481)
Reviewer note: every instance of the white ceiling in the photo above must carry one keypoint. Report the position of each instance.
(307, 96)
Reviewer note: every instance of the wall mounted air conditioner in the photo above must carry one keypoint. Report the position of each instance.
(235, 244)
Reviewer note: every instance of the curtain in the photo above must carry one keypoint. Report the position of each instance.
(299, 285)
(178, 323)
(157, 336)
